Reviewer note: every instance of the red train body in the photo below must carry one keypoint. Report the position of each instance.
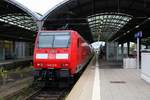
(59, 54)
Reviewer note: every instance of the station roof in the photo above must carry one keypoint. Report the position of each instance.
(16, 21)
(114, 20)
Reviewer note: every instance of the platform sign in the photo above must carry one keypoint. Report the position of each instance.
(138, 34)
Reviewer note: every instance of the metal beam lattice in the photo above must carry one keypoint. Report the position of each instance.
(108, 24)
(20, 20)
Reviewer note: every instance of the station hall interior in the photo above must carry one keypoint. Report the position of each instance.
(114, 22)
(119, 28)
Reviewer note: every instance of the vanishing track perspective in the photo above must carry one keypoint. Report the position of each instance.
(48, 94)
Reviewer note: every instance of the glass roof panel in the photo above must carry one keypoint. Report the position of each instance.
(20, 20)
(108, 24)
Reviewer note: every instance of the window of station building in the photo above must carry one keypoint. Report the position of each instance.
(1, 50)
(1, 44)
(8, 45)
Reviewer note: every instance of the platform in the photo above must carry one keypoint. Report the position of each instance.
(115, 84)
(10, 64)
(14, 80)
(14, 60)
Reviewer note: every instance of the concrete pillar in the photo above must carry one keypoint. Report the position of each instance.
(40, 25)
(138, 53)
(116, 51)
(122, 47)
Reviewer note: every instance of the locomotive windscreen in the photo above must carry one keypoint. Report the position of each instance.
(53, 39)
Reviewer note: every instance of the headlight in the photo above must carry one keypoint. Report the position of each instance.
(62, 56)
(42, 56)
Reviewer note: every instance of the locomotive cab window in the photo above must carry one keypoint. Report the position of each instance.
(45, 41)
(53, 40)
(61, 41)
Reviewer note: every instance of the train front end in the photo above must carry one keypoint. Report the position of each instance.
(52, 55)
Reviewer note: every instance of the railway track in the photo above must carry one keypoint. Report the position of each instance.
(47, 94)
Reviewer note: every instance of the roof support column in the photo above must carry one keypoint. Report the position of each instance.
(138, 53)
(128, 49)
(122, 50)
(40, 24)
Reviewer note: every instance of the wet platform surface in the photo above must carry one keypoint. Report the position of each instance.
(115, 83)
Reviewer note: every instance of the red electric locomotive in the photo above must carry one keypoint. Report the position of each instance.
(59, 54)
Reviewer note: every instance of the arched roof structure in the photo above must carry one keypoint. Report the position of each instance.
(114, 20)
(16, 21)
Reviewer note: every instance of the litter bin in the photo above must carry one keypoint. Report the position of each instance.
(129, 63)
